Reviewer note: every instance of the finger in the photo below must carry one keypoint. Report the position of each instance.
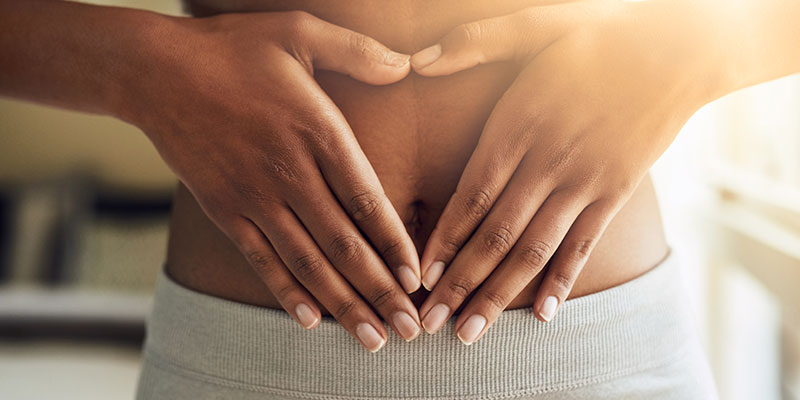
(510, 37)
(354, 258)
(456, 285)
(490, 243)
(280, 282)
(488, 171)
(570, 259)
(523, 264)
(351, 177)
(468, 45)
(311, 268)
(331, 47)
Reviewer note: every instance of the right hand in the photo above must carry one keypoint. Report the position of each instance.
(231, 104)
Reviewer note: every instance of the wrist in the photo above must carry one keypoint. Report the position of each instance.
(686, 38)
(755, 40)
(148, 37)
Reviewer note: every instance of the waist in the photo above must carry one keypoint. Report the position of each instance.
(599, 337)
(202, 258)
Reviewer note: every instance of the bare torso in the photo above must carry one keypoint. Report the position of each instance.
(418, 134)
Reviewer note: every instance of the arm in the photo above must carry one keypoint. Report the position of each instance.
(231, 105)
(604, 88)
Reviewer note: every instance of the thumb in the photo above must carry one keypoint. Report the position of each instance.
(510, 37)
(338, 49)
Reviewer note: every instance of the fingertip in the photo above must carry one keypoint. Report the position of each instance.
(425, 58)
(432, 275)
(397, 60)
(385, 75)
(369, 337)
(306, 316)
(408, 279)
(548, 308)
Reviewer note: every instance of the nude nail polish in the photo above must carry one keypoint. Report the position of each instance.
(397, 60)
(432, 275)
(436, 318)
(549, 308)
(408, 279)
(306, 317)
(405, 325)
(369, 337)
(426, 57)
(469, 332)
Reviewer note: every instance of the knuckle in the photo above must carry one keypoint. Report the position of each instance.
(562, 279)
(497, 241)
(363, 206)
(460, 287)
(495, 299)
(249, 192)
(362, 45)
(382, 295)
(450, 245)
(345, 308)
(471, 32)
(346, 248)
(583, 247)
(258, 260)
(284, 292)
(560, 158)
(626, 187)
(476, 202)
(298, 22)
(534, 254)
(308, 267)
(281, 170)
(392, 249)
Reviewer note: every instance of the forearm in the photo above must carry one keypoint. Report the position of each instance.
(760, 39)
(73, 55)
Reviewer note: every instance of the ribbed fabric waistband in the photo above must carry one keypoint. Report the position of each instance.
(631, 327)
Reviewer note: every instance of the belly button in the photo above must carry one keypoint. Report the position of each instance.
(412, 219)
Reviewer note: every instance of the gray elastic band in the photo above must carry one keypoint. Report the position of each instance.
(593, 338)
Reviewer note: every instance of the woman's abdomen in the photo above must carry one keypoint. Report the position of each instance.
(418, 134)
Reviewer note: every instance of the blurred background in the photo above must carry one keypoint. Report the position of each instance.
(84, 203)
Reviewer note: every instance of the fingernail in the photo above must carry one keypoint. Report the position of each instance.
(471, 329)
(405, 325)
(426, 57)
(436, 318)
(408, 279)
(432, 275)
(369, 337)
(308, 319)
(397, 60)
(549, 308)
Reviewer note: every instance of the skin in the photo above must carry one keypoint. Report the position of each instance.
(292, 195)
(498, 230)
(585, 161)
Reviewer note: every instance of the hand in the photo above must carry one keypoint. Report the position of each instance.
(603, 90)
(231, 104)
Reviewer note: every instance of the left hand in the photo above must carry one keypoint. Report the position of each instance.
(604, 88)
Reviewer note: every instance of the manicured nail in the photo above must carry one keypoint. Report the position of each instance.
(308, 319)
(369, 337)
(432, 275)
(549, 308)
(471, 329)
(408, 279)
(405, 325)
(436, 318)
(426, 57)
(397, 60)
